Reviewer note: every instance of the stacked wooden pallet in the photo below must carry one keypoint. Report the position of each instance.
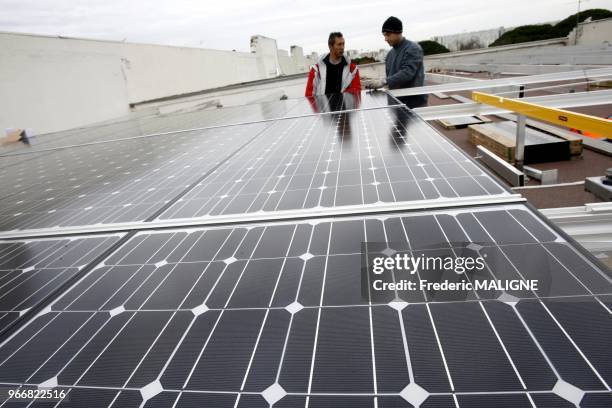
(462, 122)
(598, 85)
(574, 140)
(500, 138)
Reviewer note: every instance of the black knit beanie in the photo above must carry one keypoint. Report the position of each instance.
(392, 25)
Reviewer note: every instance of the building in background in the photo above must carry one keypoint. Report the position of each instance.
(592, 33)
(471, 40)
(299, 61)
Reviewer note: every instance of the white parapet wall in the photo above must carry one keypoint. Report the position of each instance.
(531, 58)
(592, 33)
(300, 63)
(154, 71)
(267, 52)
(53, 83)
(49, 84)
(287, 66)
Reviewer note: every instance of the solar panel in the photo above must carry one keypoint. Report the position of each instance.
(260, 312)
(365, 157)
(148, 123)
(93, 184)
(272, 314)
(144, 124)
(122, 181)
(32, 270)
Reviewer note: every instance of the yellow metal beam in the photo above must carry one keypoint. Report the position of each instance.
(573, 120)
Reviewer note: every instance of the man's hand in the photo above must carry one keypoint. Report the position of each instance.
(374, 83)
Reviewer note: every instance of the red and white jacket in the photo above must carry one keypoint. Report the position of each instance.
(318, 75)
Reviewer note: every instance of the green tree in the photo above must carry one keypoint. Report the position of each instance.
(363, 60)
(537, 32)
(564, 27)
(432, 47)
(526, 33)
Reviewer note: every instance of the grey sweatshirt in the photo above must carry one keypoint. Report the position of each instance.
(404, 67)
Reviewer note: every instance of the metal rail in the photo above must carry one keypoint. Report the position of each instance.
(554, 101)
(503, 82)
(266, 217)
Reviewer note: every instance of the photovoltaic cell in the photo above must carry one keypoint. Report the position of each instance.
(31, 270)
(271, 314)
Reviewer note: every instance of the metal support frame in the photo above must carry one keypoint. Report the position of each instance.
(589, 223)
(596, 186)
(519, 152)
(502, 168)
(600, 146)
(546, 177)
(265, 217)
(504, 82)
(554, 101)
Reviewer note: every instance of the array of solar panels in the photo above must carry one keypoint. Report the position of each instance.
(361, 157)
(272, 313)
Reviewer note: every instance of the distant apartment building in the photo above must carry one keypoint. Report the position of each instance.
(471, 40)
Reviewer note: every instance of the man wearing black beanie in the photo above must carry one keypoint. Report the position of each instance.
(403, 65)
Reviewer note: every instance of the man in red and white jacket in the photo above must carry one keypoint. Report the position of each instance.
(333, 73)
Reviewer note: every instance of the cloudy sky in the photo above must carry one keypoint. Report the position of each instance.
(229, 24)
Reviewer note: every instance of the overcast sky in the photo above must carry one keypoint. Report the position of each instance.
(229, 24)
